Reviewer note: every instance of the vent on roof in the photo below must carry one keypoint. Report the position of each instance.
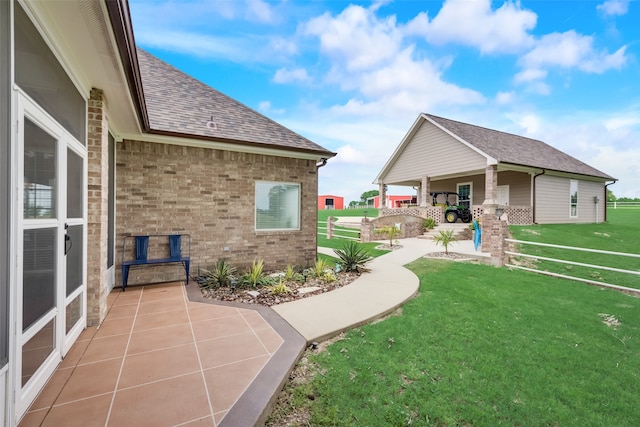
(211, 124)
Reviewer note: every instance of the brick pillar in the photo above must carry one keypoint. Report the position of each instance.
(383, 196)
(97, 215)
(491, 185)
(424, 192)
(366, 230)
(330, 227)
(494, 231)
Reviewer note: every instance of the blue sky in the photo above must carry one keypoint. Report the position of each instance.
(354, 76)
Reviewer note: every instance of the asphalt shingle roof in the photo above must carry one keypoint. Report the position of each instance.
(178, 104)
(518, 150)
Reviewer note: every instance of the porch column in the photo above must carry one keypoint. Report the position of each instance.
(491, 185)
(383, 196)
(97, 214)
(424, 191)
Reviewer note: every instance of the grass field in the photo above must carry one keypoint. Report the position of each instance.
(485, 346)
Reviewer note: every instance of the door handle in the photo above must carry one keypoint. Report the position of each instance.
(68, 244)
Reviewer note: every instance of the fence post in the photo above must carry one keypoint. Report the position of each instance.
(330, 227)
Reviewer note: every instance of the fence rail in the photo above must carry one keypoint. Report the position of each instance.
(339, 229)
(580, 264)
(616, 205)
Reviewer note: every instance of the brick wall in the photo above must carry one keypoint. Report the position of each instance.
(209, 194)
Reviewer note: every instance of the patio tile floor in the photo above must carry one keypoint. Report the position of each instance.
(161, 359)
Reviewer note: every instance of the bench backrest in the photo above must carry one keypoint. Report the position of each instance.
(142, 244)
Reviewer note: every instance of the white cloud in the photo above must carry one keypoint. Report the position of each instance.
(614, 7)
(504, 98)
(355, 38)
(571, 50)
(475, 23)
(529, 75)
(284, 75)
(259, 10)
(267, 108)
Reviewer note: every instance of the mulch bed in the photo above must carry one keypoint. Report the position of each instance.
(299, 290)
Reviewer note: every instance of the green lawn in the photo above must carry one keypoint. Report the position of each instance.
(483, 346)
(337, 242)
(620, 234)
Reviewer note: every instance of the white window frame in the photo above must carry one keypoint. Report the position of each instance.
(573, 205)
(261, 199)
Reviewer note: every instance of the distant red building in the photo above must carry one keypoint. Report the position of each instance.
(395, 201)
(330, 202)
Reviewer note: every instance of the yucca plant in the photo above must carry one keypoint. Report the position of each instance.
(445, 238)
(291, 275)
(221, 275)
(279, 289)
(353, 256)
(318, 269)
(255, 276)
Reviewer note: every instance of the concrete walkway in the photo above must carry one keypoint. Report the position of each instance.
(374, 294)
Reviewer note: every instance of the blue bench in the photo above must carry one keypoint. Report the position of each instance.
(176, 254)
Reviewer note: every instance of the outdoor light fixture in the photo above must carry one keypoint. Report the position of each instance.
(499, 212)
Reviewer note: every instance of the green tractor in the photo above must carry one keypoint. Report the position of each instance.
(452, 211)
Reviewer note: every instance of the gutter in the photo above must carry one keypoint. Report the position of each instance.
(323, 163)
(605, 198)
(534, 194)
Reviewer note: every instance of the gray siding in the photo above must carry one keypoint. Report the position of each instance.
(519, 187)
(552, 202)
(433, 152)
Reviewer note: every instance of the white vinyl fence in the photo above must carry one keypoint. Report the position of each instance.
(580, 264)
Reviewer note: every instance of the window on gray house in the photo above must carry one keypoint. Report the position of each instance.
(573, 198)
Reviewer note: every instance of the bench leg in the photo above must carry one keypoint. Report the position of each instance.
(125, 276)
(186, 270)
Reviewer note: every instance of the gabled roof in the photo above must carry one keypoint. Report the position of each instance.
(179, 105)
(517, 150)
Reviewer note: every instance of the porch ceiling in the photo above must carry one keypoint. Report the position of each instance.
(83, 40)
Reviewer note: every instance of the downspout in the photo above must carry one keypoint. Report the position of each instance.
(605, 198)
(534, 194)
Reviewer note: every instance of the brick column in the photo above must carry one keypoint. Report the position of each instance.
(424, 191)
(383, 196)
(491, 185)
(366, 230)
(97, 215)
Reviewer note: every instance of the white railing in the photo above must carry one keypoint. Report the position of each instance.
(616, 205)
(580, 264)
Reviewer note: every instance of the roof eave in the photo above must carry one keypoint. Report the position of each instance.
(120, 18)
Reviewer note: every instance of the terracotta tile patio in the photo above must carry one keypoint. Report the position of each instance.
(165, 357)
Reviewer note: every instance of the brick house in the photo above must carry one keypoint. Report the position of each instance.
(530, 180)
(100, 140)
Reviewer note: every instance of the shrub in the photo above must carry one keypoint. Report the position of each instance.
(291, 275)
(222, 274)
(353, 256)
(429, 223)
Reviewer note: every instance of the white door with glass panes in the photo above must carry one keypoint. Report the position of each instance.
(464, 194)
(51, 238)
